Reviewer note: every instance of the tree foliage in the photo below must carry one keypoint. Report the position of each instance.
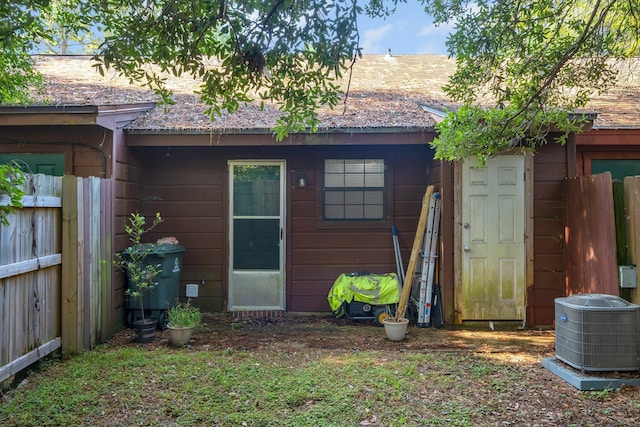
(26, 26)
(11, 180)
(522, 65)
(71, 28)
(287, 51)
(20, 26)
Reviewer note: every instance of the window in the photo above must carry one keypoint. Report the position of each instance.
(354, 189)
(619, 168)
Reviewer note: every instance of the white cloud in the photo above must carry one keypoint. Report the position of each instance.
(370, 40)
(439, 30)
(447, 28)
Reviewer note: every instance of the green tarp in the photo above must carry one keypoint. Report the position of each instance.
(374, 289)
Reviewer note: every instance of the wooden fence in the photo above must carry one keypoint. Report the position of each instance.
(632, 210)
(593, 243)
(55, 270)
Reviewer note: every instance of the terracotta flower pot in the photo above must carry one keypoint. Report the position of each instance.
(396, 329)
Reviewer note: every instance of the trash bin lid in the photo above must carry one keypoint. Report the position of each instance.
(596, 301)
(156, 248)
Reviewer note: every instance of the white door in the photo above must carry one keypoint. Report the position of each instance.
(256, 228)
(493, 248)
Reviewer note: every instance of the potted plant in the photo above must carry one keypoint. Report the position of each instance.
(395, 323)
(141, 275)
(182, 318)
(396, 327)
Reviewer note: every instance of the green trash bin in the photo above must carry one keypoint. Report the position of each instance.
(165, 292)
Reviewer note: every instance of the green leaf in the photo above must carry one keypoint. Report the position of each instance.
(11, 184)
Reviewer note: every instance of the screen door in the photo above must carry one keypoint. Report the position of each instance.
(256, 227)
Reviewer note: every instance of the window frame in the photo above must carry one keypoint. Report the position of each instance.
(357, 223)
(588, 156)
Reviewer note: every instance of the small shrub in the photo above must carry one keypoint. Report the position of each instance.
(141, 275)
(184, 315)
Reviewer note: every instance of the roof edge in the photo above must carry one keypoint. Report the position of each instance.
(77, 109)
(48, 109)
(269, 131)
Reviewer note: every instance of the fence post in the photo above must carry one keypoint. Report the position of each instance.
(71, 298)
(632, 206)
(106, 250)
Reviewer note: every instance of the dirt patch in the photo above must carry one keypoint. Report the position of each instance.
(220, 331)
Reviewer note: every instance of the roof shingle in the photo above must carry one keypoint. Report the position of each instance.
(384, 92)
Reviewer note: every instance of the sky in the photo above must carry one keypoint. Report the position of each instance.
(408, 31)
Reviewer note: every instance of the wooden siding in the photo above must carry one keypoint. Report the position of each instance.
(549, 171)
(252, 140)
(126, 179)
(605, 138)
(188, 187)
(441, 176)
(86, 148)
(606, 144)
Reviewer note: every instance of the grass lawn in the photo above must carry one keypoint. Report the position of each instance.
(291, 380)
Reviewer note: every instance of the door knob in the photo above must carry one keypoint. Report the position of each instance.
(467, 248)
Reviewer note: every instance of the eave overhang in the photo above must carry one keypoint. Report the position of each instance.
(69, 115)
(266, 137)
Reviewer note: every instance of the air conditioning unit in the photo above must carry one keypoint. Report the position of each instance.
(597, 332)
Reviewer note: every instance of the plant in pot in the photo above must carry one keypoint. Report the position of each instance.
(141, 275)
(395, 323)
(183, 319)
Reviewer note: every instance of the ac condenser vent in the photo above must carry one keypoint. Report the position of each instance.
(597, 332)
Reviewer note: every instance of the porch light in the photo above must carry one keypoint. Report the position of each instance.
(302, 180)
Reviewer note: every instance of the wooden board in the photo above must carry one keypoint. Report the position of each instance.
(415, 254)
(632, 207)
(590, 245)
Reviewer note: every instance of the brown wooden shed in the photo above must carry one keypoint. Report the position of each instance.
(259, 240)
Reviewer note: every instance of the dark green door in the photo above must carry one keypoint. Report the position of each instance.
(47, 164)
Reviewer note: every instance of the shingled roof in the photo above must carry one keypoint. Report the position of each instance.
(385, 92)
(619, 108)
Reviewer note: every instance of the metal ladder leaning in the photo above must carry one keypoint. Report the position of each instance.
(429, 257)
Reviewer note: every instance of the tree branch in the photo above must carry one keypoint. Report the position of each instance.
(589, 29)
